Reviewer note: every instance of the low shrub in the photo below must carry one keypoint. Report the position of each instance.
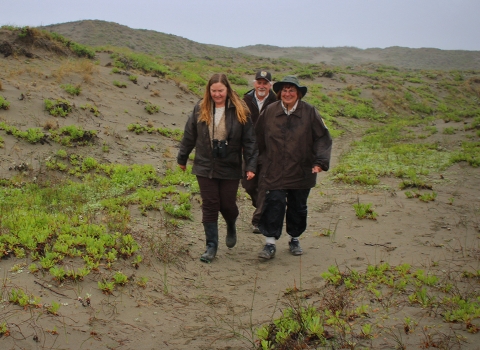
(73, 90)
(58, 108)
(4, 104)
(151, 108)
(133, 79)
(119, 84)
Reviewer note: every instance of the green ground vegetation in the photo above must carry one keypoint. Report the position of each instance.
(355, 308)
(86, 217)
(50, 222)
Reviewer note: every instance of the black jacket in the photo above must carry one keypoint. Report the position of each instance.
(241, 139)
(251, 102)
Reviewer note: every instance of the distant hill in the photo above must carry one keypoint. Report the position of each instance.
(404, 57)
(100, 33)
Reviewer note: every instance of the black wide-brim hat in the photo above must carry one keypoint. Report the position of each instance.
(289, 79)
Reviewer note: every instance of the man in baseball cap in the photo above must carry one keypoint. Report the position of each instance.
(257, 99)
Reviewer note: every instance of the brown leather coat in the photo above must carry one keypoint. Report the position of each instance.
(290, 145)
(241, 141)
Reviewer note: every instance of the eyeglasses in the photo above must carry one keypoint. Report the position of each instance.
(289, 91)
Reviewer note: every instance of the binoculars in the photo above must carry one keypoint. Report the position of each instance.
(219, 149)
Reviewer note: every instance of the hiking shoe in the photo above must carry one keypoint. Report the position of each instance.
(268, 252)
(294, 246)
(255, 229)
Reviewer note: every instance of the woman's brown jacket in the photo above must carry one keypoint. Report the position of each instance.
(291, 145)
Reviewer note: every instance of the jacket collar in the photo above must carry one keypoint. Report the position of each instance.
(281, 111)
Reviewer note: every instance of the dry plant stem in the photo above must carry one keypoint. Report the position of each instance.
(252, 331)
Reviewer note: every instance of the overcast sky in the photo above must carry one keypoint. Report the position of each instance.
(442, 24)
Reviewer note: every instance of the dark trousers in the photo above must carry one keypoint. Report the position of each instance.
(218, 196)
(284, 204)
(254, 190)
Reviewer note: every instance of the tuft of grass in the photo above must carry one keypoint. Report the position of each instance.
(449, 131)
(119, 84)
(133, 78)
(151, 108)
(120, 278)
(92, 109)
(365, 211)
(470, 153)
(4, 104)
(73, 90)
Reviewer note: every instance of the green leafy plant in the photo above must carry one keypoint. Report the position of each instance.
(32, 135)
(142, 281)
(175, 134)
(105, 147)
(92, 109)
(295, 323)
(137, 260)
(72, 135)
(4, 104)
(428, 196)
(53, 308)
(58, 273)
(73, 90)
(119, 84)
(62, 153)
(19, 297)
(469, 153)
(33, 268)
(107, 287)
(136, 128)
(120, 278)
(151, 108)
(333, 275)
(449, 131)
(133, 78)
(365, 211)
(128, 245)
(58, 108)
(4, 331)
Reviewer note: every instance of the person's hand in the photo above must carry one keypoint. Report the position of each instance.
(316, 169)
(250, 175)
(183, 167)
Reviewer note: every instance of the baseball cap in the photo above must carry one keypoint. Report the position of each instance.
(263, 74)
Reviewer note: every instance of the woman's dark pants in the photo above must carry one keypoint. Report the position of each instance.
(218, 196)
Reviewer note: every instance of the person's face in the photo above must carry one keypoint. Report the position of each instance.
(289, 96)
(262, 88)
(218, 92)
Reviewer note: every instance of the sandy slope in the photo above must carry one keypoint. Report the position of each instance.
(191, 305)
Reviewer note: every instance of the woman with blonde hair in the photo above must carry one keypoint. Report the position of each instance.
(221, 131)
